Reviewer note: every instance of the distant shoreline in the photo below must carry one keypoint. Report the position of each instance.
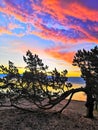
(76, 82)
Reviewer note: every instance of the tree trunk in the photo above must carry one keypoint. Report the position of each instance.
(90, 106)
(90, 112)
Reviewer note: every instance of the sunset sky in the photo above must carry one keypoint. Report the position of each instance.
(53, 29)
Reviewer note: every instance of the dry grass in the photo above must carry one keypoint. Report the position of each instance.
(72, 118)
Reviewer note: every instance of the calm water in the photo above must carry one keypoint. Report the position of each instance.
(2, 75)
(76, 82)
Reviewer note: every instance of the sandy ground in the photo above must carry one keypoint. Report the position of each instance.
(72, 118)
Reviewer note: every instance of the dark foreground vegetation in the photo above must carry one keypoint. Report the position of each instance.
(45, 89)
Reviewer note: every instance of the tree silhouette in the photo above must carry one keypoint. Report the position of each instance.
(46, 89)
(87, 61)
(35, 85)
(44, 85)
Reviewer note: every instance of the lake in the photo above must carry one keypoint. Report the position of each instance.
(76, 82)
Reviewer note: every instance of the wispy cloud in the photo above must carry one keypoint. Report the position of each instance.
(4, 30)
(62, 21)
(75, 17)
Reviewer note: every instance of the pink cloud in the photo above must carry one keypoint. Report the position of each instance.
(88, 37)
(12, 26)
(67, 7)
(59, 11)
(4, 30)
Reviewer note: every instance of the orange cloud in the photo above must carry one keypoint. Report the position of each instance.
(62, 8)
(15, 11)
(59, 11)
(4, 30)
(56, 53)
